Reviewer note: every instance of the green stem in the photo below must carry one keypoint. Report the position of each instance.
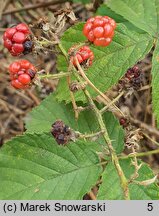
(141, 154)
(63, 51)
(123, 180)
(54, 76)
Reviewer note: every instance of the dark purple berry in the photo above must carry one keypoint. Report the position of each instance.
(31, 73)
(28, 45)
(61, 132)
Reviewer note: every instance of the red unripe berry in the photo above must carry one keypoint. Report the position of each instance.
(25, 64)
(19, 37)
(83, 54)
(10, 32)
(108, 30)
(24, 79)
(21, 73)
(15, 38)
(22, 27)
(87, 29)
(91, 20)
(79, 58)
(113, 23)
(14, 67)
(16, 84)
(8, 44)
(106, 19)
(90, 36)
(98, 22)
(100, 30)
(17, 48)
(102, 41)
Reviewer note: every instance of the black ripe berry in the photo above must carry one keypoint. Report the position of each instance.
(28, 45)
(61, 132)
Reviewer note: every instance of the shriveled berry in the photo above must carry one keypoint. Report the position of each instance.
(100, 30)
(61, 132)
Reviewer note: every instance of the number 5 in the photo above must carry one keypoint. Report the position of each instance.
(149, 206)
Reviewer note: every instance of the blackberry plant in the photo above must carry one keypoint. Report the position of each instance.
(78, 135)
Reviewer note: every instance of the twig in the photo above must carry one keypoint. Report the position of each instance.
(112, 102)
(141, 154)
(123, 180)
(97, 90)
(152, 140)
(149, 128)
(137, 167)
(88, 136)
(33, 97)
(30, 7)
(75, 107)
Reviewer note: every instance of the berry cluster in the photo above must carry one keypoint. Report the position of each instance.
(16, 39)
(84, 55)
(21, 73)
(132, 79)
(100, 30)
(61, 132)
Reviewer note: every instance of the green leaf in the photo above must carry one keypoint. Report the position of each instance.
(111, 187)
(42, 117)
(155, 82)
(110, 62)
(82, 1)
(35, 167)
(141, 13)
(104, 10)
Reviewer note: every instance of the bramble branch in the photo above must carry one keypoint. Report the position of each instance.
(123, 180)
